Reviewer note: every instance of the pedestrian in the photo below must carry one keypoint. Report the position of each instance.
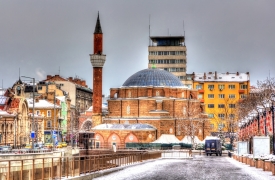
(190, 152)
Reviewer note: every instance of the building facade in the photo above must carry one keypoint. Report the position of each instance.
(220, 93)
(169, 53)
(78, 91)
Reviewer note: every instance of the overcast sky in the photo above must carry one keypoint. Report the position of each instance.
(41, 37)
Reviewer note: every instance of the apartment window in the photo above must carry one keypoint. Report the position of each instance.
(210, 96)
(49, 123)
(221, 96)
(200, 96)
(212, 126)
(221, 86)
(231, 116)
(232, 96)
(39, 88)
(210, 105)
(49, 114)
(231, 105)
(37, 112)
(211, 115)
(231, 86)
(243, 96)
(198, 86)
(243, 86)
(221, 116)
(210, 87)
(220, 105)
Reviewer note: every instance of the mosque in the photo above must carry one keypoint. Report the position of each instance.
(150, 103)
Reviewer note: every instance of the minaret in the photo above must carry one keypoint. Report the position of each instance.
(97, 60)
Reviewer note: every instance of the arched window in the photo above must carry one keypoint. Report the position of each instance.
(49, 123)
(184, 110)
(157, 93)
(128, 109)
(129, 94)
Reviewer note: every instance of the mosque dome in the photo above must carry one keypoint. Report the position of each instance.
(152, 77)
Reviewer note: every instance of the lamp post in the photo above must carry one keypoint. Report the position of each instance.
(272, 111)
(32, 124)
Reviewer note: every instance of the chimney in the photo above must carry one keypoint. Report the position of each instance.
(227, 73)
(216, 75)
(237, 73)
(70, 79)
(204, 76)
(49, 76)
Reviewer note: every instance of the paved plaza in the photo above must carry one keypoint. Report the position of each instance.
(200, 167)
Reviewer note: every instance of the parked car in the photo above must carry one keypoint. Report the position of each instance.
(28, 146)
(59, 145)
(64, 144)
(5, 148)
(48, 145)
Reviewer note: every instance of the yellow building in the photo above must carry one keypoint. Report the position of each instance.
(50, 113)
(220, 92)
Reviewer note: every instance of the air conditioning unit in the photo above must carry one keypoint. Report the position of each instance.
(221, 89)
(211, 89)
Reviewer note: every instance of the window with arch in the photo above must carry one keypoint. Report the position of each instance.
(157, 93)
(128, 110)
(129, 94)
(49, 114)
(184, 110)
(49, 123)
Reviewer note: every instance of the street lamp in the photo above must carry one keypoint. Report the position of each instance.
(33, 90)
(272, 110)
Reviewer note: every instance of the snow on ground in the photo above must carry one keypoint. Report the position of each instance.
(256, 173)
(200, 167)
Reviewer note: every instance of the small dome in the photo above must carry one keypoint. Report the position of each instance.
(152, 77)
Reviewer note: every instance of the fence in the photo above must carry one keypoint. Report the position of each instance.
(65, 167)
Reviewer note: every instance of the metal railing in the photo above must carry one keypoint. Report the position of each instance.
(66, 167)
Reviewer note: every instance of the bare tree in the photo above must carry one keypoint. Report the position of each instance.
(193, 121)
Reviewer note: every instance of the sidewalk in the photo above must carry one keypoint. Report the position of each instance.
(253, 171)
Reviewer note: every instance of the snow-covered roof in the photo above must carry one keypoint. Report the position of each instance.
(5, 114)
(222, 77)
(188, 140)
(104, 107)
(61, 98)
(124, 127)
(42, 104)
(167, 139)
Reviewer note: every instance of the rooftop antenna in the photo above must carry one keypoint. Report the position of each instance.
(59, 70)
(149, 29)
(2, 84)
(183, 34)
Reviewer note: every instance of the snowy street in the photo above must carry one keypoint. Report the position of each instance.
(200, 167)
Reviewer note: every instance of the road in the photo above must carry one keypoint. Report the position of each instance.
(200, 167)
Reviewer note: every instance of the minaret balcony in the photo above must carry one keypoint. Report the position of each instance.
(97, 60)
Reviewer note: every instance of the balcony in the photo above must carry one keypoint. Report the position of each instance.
(241, 91)
(201, 91)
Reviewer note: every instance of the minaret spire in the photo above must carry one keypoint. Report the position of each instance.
(98, 29)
